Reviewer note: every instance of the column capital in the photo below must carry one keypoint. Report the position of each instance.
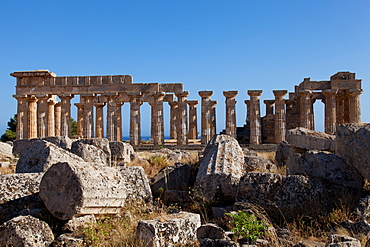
(192, 103)
(280, 93)
(304, 92)
(254, 93)
(269, 101)
(355, 91)
(19, 97)
(247, 102)
(205, 94)
(88, 95)
(158, 95)
(173, 103)
(182, 94)
(230, 94)
(134, 94)
(31, 98)
(329, 91)
(79, 105)
(98, 104)
(213, 103)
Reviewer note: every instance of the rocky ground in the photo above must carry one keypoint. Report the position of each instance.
(91, 192)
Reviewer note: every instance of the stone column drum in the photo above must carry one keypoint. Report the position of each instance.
(80, 118)
(65, 114)
(42, 114)
(279, 117)
(51, 117)
(255, 120)
(206, 116)
(182, 119)
(58, 117)
(230, 102)
(193, 129)
(354, 105)
(305, 108)
(212, 105)
(158, 126)
(173, 119)
(88, 131)
(71, 189)
(99, 120)
(21, 117)
(269, 107)
(32, 117)
(111, 110)
(330, 111)
(135, 131)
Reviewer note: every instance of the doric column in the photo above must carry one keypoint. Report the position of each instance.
(111, 111)
(21, 117)
(182, 119)
(65, 114)
(80, 118)
(118, 120)
(99, 119)
(255, 120)
(279, 117)
(42, 114)
(305, 108)
(135, 129)
(58, 118)
(330, 111)
(247, 115)
(88, 131)
(157, 117)
(32, 117)
(212, 105)
(230, 102)
(354, 105)
(206, 116)
(173, 118)
(339, 109)
(51, 117)
(193, 129)
(269, 106)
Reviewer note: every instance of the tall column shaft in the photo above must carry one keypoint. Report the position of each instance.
(58, 118)
(135, 129)
(21, 117)
(279, 117)
(354, 105)
(193, 129)
(230, 102)
(157, 117)
(99, 120)
(255, 120)
(111, 111)
(42, 114)
(118, 120)
(182, 119)
(88, 131)
(213, 104)
(247, 115)
(51, 117)
(66, 115)
(32, 117)
(80, 118)
(305, 109)
(173, 119)
(206, 116)
(339, 109)
(330, 111)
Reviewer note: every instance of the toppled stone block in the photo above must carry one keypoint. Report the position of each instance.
(66, 240)
(6, 151)
(169, 230)
(19, 146)
(336, 240)
(137, 186)
(221, 169)
(211, 231)
(257, 163)
(327, 166)
(288, 155)
(25, 231)
(74, 189)
(40, 155)
(19, 192)
(101, 146)
(61, 141)
(121, 152)
(176, 197)
(174, 177)
(77, 223)
(353, 145)
(310, 139)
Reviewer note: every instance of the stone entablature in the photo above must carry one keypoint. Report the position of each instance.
(41, 115)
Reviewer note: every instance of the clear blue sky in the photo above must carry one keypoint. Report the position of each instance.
(207, 45)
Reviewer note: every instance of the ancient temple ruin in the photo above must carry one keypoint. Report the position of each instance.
(40, 114)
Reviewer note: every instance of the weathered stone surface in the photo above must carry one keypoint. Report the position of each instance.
(362, 211)
(61, 141)
(174, 177)
(74, 189)
(310, 139)
(308, 243)
(121, 152)
(77, 223)
(327, 166)
(361, 227)
(353, 144)
(290, 195)
(174, 156)
(6, 151)
(257, 163)
(65, 240)
(210, 235)
(221, 169)
(19, 191)
(288, 155)
(101, 143)
(19, 146)
(90, 153)
(336, 240)
(137, 186)
(168, 230)
(176, 197)
(25, 231)
(40, 155)
(220, 243)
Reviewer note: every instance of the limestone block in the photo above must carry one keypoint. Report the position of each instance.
(211, 231)
(310, 139)
(77, 223)
(336, 240)
(17, 192)
(137, 186)
(174, 177)
(101, 143)
(327, 166)
(40, 155)
(353, 144)
(61, 141)
(221, 169)
(220, 243)
(257, 163)
(121, 151)
(65, 240)
(174, 155)
(176, 197)
(288, 155)
(6, 151)
(89, 153)
(71, 189)
(19, 146)
(25, 231)
(169, 230)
